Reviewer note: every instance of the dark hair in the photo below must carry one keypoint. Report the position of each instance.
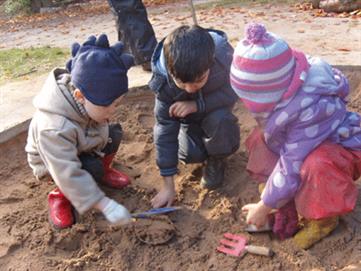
(189, 52)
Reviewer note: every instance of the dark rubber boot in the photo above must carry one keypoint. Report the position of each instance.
(213, 173)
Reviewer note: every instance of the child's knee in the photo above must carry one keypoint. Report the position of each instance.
(220, 118)
(191, 148)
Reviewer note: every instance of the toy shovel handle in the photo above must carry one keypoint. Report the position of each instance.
(156, 211)
(266, 251)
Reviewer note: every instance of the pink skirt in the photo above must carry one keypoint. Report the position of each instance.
(327, 176)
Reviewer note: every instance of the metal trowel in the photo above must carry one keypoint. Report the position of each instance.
(156, 211)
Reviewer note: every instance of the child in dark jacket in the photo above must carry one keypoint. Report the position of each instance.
(193, 107)
(308, 145)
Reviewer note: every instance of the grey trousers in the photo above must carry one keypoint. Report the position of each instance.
(217, 135)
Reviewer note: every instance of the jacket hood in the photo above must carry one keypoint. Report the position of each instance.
(55, 97)
(324, 80)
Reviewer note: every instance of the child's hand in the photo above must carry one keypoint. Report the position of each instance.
(166, 195)
(182, 109)
(257, 213)
(114, 212)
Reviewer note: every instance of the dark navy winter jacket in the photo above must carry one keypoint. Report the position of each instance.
(216, 93)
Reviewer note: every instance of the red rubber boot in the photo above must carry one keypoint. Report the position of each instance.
(112, 177)
(60, 210)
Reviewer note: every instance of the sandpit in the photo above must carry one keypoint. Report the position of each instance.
(188, 238)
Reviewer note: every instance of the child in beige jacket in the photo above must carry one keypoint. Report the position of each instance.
(69, 137)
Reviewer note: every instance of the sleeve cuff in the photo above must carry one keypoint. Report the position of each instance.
(267, 201)
(274, 204)
(168, 171)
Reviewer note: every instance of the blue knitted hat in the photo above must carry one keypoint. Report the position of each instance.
(98, 70)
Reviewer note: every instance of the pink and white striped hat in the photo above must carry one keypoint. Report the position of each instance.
(263, 69)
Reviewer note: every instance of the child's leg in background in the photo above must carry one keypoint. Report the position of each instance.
(327, 190)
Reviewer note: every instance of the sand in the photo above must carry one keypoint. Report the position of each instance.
(183, 240)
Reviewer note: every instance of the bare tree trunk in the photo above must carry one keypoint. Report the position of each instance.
(36, 5)
(193, 12)
(315, 3)
(340, 5)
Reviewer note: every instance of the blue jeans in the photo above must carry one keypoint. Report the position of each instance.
(217, 135)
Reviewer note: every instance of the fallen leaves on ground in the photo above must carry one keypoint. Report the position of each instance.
(256, 14)
(158, 2)
(16, 23)
(307, 6)
(78, 10)
(304, 6)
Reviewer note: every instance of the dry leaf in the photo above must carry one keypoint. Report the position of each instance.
(343, 49)
(261, 13)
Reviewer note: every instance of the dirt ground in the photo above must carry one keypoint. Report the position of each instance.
(336, 38)
(29, 243)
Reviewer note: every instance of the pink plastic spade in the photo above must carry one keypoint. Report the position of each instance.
(236, 245)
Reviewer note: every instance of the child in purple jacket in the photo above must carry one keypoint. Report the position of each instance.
(313, 144)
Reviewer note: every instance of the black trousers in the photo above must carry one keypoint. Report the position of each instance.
(93, 163)
(217, 135)
(134, 28)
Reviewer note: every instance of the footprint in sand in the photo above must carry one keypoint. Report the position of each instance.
(154, 231)
(146, 121)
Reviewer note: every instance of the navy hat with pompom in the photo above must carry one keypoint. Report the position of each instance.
(98, 70)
